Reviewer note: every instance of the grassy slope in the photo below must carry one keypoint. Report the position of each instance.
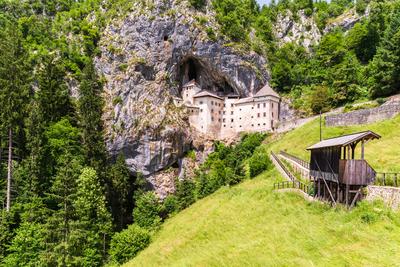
(382, 154)
(249, 225)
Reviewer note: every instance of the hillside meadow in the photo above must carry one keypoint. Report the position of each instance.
(383, 154)
(251, 225)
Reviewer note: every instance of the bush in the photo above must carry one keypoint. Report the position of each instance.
(185, 193)
(127, 243)
(259, 162)
(198, 4)
(170, 205)
(147, 211)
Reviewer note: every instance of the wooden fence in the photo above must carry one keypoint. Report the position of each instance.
(293, 183)
(387, 179)
(301, 162)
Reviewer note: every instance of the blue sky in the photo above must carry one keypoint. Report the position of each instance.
(263, 2)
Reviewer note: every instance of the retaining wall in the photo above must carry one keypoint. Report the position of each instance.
(364, 116)
(389, 195)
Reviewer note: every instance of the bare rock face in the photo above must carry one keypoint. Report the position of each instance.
(145, 59)
(302, 31)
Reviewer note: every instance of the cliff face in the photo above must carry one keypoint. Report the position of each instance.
(145, 59)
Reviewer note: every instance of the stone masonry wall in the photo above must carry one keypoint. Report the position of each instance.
(364, 116)
(389, 195)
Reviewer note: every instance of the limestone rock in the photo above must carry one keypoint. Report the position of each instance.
(145, 59)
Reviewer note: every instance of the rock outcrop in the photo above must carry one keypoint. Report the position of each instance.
(303, 30)
(145, 59)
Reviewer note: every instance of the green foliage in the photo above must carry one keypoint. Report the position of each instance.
(170, 205)
(27, 245)
(185, 193)
(146, 214)
(122, 185)
(127, 243)
(259, 162)
(235, 17)
(198, 4)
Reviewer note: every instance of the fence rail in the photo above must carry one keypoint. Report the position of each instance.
(293, 183)
(298, 160)
(387, 179)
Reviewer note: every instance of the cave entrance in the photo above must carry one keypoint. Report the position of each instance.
(192, 73)
(192, 68)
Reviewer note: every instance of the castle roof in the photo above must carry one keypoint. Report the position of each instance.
(266, 91)
(244, 100)
(205, 93)
(190, 83)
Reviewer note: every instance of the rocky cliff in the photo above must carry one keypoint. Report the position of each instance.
(145, 59)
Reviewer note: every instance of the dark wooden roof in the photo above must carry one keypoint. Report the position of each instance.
(345, 140)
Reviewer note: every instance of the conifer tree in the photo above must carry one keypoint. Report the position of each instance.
(90, 107)
(14, 90)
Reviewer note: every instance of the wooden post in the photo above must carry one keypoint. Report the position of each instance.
(347, 194)
(353, 147)
(348, 152)
(362, 149)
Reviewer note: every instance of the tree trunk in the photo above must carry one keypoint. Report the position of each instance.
(9, 170)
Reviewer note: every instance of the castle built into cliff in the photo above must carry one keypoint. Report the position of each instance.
(223, 116)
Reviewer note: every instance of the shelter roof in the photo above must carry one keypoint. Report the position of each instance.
(266, 91)
(345, 140)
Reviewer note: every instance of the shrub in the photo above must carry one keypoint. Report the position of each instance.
(147, 211)
(127, 243)
(198, 4)
(259, 162)
(185, 193)
(170, 205)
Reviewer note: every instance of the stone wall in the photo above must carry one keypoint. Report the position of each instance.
(364, 116)
(389, 195)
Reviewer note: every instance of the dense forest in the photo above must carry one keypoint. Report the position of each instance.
(65, 201)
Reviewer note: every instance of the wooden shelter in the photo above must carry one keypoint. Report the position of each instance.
(338, 176)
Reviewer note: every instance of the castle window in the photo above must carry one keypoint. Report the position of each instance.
(231, 112)
(219, 120)
(258, 115)
(240, 109)
(223, 112)
(201, 102)
(231, 120)
(201, 110)
(212, 103)
(252, 125)
(232, 105)
(223, 120)
(240, 126)
(212, 118)
(187, 95)
(272, 104)
(264, 105)
(212, 110)
(240, 118)
(258, 124)
(264, 123)
(272, 114)
(258, 105)
(224, 105)
(251, 116)
(224, 125)
(219, 112)
(165, 37)
(265, 114)
(252, 107)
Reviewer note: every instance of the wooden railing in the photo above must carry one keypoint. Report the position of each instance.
(298, 160)
(293, 183)
(387, 179)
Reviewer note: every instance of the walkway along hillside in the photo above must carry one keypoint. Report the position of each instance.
(336, 174)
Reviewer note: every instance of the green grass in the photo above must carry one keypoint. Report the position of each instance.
(250, 225)
(383, 154)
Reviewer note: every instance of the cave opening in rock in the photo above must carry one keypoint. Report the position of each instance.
(165, 37)
(205, 75)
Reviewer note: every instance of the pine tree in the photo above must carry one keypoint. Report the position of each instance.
(90, 107)
(15, 90)
(384, 70)
(121, 191)
(60, 247)
(93, 225)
